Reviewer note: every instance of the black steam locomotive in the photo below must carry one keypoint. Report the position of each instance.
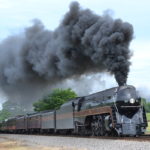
(116, 111)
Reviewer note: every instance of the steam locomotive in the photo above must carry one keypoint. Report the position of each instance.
(115, 111)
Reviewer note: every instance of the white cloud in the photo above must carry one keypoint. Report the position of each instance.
(140, 68)
(5, 4)
(2, 99)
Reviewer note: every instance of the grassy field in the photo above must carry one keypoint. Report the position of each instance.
(148, 119)
(148, 116)
(148, 128)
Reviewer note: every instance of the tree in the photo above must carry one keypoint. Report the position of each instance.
(54, 100)
(4, 114)
(146, 104)
(11, 109)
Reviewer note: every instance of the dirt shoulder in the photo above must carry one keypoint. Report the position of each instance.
(42, 142)
(9, 144)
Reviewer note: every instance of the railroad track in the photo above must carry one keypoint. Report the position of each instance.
(139, 138)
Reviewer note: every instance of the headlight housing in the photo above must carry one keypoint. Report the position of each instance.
(132, 100)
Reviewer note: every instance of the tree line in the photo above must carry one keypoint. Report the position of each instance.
(146, 105)
(51, 101)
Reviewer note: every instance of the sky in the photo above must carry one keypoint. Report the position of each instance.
(18, 14)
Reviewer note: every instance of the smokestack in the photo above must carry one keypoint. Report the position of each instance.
(83, 43)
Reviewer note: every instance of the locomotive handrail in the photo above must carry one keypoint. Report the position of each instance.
(130, 106)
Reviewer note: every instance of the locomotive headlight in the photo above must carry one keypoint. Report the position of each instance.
(132, 100)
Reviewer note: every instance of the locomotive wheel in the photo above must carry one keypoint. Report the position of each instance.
(98, 126)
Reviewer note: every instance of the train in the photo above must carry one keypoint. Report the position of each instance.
(113, 112)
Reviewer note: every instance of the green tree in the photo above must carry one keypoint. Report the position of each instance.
(11, 109)
(4, 114)
(146, 104)
(54, 100)
(143, 101)
(147, 107)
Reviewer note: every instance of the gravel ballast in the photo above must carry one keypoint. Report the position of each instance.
(79, 143)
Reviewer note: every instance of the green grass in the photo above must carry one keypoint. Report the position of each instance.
(148, 116)
(148, 119)
(148, 128)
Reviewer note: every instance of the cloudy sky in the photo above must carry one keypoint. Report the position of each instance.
(15, 15)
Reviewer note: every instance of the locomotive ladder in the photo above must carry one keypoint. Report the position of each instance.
(144, 117)
(114, 115)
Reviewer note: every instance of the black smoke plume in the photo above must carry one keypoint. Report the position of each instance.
(83, 43)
